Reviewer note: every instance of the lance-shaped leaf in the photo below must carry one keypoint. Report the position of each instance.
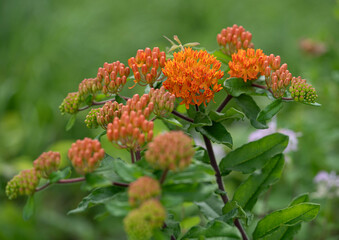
(248, 192)
(285, 217)
(287, 232)
(201, 119)
(237, 86)
(270, 110)
(254, 155)
(29, 207)
(211, 207)
(217, 133)
(231, 113)
(214, 230)
(251, 110)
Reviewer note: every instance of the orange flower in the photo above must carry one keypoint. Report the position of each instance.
(193, 76)
(247, 64)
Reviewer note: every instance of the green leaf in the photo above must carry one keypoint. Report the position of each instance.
(222, 56)
(237, 86)
(270, 110)
(127, 171)
(315, 104)
(201, 155)
(118, 206)
(61, 174)
(89, 99)
(248, 192)
(98, 137)
(254, 155)
(231, 113)
(172, 121)
(71, 122)
(214, 230)
(300, 199)
(98, 196)
(94, 180)
(286, 217)
(251, 110)
(119, 99)
(172, 227)
(217, 133)
(211, 207)
(201, 119)
(29, 207)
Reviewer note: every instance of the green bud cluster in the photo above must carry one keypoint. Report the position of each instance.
(302, 91)
(141, 223)
(89, 86)
(163, 101)
(91, 118)
(70, 104)
(23, 184)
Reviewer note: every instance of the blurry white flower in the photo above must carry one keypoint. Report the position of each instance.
(327, 185)
(272, 128)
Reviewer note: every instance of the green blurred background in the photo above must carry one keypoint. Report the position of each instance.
(48, 47)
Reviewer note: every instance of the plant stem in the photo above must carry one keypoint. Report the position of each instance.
(120, 184)
(132, 156)
(224, 103)
(71, 180)
(101, 103)
(137, 155)
(163, 176)
(263, 87)
(182, 116)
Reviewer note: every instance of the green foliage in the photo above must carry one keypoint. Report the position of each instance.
(237, 86)
(270, 110)
(29, 208)
(62, 174)
(217, 133)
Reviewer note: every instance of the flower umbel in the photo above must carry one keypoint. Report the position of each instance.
(233, 38)
(70, 104)
(302, 91)
(23, 184)
(143, 189)
(172, 150)
(247, 64)
(193, 76)
(47, 163)
(85, 155)
(163, 101)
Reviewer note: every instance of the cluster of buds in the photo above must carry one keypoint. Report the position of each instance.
(143, 189)
(70, 104)
(302, 91)
(163, 101)
(141, 105)
(114, 76)
(278, 80)
(232, 39)
(107, 113)
(86, 155)
(23, 184)
(89, 86)
(91, 118)
(172, 150)
(47, 163)
(146, 65)
(141, 223)
(130, 131)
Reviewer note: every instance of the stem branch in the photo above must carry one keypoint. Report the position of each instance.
(270, 90)
(224, 103)
(163, 176)
(182, 116)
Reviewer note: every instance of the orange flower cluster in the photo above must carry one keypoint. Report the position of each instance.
(172, 150)
(233, 38)
(143, 189)
(86, 155)
(130, 131)
(193, 76)
(146, 65)
(114, 76)
(47, 163)
(247, 64)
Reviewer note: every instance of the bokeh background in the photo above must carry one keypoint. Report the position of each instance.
(48, 47)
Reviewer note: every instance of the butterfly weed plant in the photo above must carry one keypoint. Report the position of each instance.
(167, 170)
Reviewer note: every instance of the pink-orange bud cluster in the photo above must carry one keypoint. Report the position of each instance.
(172, 150)
(23, 184)
(47, 163)
(247, 64)
(107, 113)
(86, 155)
(143, 189)
(232, 39)
(193, 76)
(141, 105)
(163, 101)
(146, 65)
(278, 80)
(70, 104)
(114, 76)
(89, 86)
(130, 131)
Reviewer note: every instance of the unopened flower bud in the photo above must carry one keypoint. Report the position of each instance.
(70, 104)
(143, 189)
(47, 163)
(23, 184)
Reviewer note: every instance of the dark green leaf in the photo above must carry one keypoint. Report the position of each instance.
(217, 133)
(201, 155)
(211, 207)
(237, 86)
(214, 230)
(89, 99)
(118, 206)
(270, 110)
(61, 174)
(286, 217)
(98, 137)
(71, 122)
(248, 192)
(29, 207)
(231, 113)
(119, 99)
(172, 227)
(222, 56)
(251, 110)
(201, 119)
(172, 121)
(98, 196)
(127, 171)
(94, 180)
(254, 155)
